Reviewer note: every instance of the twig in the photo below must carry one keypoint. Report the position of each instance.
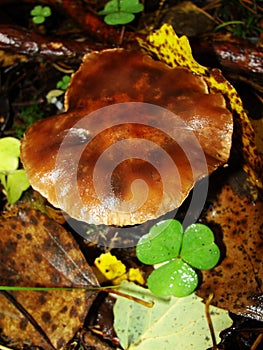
(257, 342)
(209, 321)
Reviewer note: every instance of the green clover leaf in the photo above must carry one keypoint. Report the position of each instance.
(161, 244)
(181, 254)
(39, 13)
(63, 83)
(198, 247)
(131, 6)
(119, 18)
(174, 278)
(110, 7)
(120, 11)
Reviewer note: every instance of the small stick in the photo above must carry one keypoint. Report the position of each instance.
(131, 297)
(209, 321)
(257, 342)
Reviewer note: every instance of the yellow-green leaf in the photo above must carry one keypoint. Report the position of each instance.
(173, 323)
(17, 182)
(9, 154)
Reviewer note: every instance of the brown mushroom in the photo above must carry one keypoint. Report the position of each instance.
(136, 137)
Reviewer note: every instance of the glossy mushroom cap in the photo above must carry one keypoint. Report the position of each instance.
(136, 137)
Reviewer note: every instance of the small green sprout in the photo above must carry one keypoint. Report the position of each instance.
(181, 253)
(13, 180)
(121, 11)
(63, 83)
(40, 13)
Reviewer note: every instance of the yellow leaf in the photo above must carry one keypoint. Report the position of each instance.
(176, 52)
(110, 266)
(169, 48)
(135, 275)
(117, 281)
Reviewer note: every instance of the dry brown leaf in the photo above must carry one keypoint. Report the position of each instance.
(20, 330)
(46, 319)
(36, 251)
(258, 127)
(237, 281)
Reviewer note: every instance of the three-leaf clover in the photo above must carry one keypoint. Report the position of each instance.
(121, 11)
(63, 83)
(180, 254)
(13, 180)
(40, 13)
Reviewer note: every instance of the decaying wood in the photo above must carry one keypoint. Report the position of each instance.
(242, 60)
(21, 41)
(236, 56)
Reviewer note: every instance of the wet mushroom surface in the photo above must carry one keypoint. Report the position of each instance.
(136, 136)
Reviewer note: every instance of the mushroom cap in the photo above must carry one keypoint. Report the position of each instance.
(136, 137)
(118, 75)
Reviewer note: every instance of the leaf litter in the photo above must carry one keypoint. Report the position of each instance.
(38, 252)
(221, 297)
(168, 324)
(237, 281)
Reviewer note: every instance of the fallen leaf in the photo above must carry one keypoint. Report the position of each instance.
(173, 323)
(237, 281)
(110, 266)
(46, 319)
(38, 252)
(175, 51)
(135, 275)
